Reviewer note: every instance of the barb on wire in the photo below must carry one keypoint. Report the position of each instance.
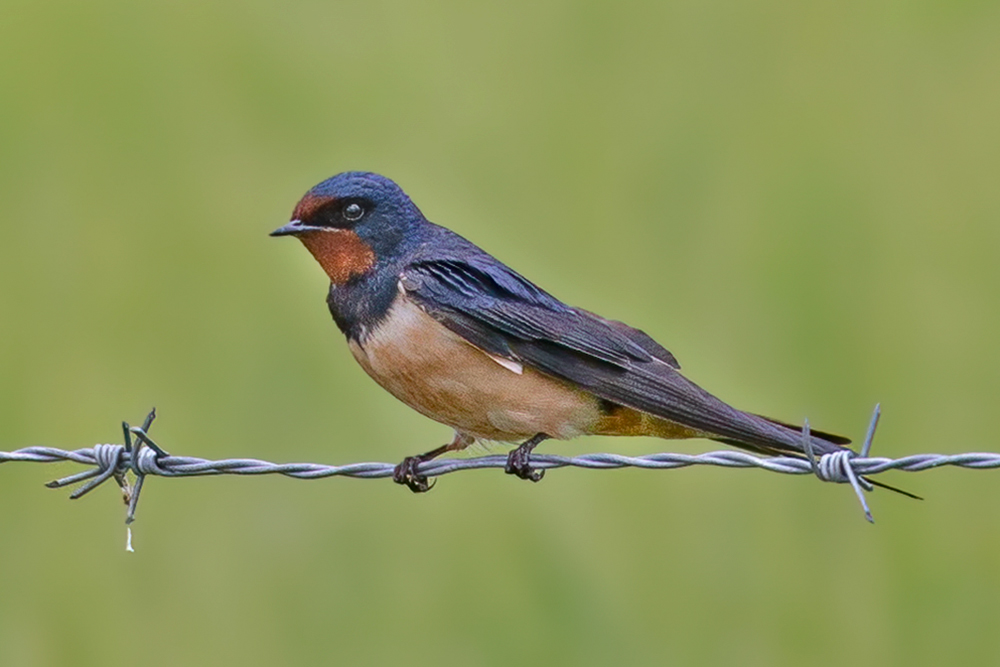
(143, 457)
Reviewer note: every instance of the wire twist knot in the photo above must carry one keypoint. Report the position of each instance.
(146, 461)
(839, 466)
(833, 467)
(109, 459)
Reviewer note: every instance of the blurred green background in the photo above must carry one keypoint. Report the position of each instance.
(800, 200)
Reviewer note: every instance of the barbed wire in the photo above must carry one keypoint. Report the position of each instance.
(145, 457)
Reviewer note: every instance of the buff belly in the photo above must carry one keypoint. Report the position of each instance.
(442, 376)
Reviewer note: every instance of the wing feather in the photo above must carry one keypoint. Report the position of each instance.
(504, 314)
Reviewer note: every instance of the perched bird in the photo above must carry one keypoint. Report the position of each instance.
(463, 339)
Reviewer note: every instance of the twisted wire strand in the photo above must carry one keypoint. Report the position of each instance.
(191, 466)
(109, 461)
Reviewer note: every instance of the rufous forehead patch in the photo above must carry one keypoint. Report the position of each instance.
(309, 204)
(341, 253)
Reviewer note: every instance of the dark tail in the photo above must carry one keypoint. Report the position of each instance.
(790, 443)
(772, 437)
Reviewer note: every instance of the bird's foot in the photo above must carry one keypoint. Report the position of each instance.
(519, 460)
(406, 473)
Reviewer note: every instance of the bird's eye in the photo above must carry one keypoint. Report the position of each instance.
(353, 212)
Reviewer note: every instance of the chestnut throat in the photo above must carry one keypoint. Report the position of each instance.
(341, 253)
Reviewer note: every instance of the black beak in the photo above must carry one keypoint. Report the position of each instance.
(293, 228)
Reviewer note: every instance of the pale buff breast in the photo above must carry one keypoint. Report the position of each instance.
(439, 374)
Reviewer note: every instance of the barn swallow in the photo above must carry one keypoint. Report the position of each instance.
(465, 340)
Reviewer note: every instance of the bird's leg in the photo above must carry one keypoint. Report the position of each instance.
(406, 472)
(519, 459)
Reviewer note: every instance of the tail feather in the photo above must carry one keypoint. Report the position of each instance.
(747, 431)
(894, 489)
(832, 443)
(776, 438)
(823, 435)
(785, 440)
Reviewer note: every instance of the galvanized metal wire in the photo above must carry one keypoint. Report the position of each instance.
(145, 457)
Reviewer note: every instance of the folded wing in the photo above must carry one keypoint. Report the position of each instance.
(506, 315)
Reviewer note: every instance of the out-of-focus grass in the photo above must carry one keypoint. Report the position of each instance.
(800, 201)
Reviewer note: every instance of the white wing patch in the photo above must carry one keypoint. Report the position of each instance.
(509, 364)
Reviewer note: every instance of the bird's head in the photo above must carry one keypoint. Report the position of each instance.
(351, 221)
